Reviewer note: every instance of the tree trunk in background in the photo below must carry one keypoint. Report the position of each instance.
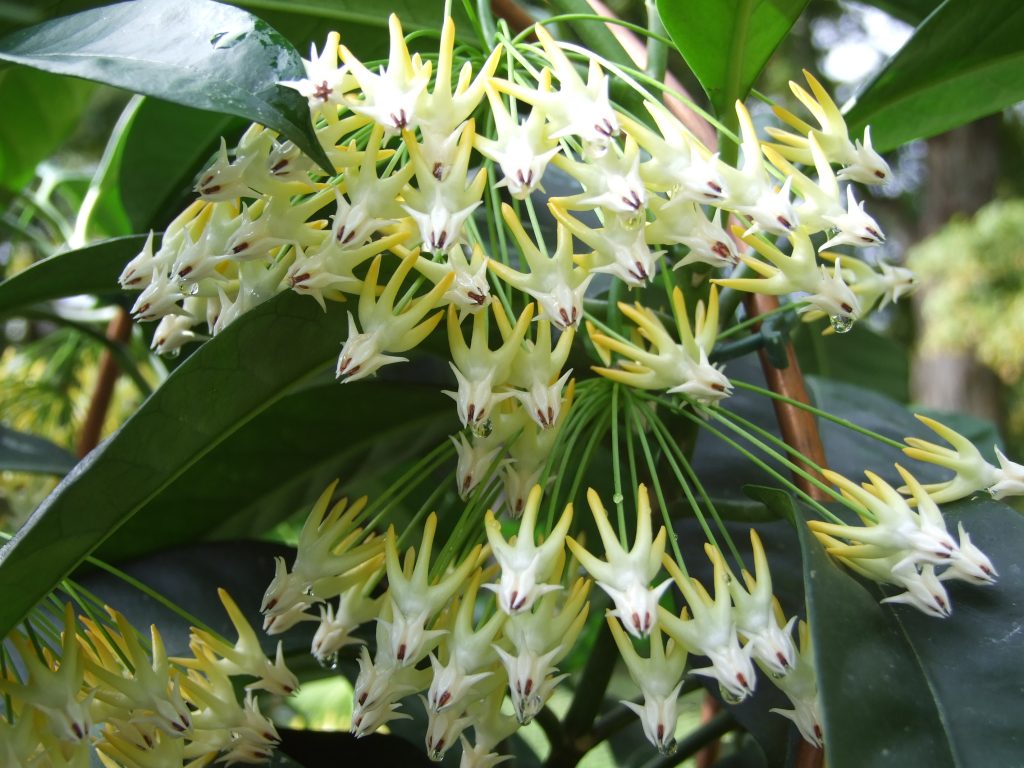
(962, 167)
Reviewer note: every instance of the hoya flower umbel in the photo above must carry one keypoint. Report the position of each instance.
(758, 615)
(972, 472)
(679, 164)
(796, 272)
(444, 197)
(390, 97)
(384, 331)
(626, 576)
(659, 677)
(325, 81)
(555, 282)
(526, 565)
(479, 370)
(522, 148)
(681, 367)
(711, 632)
(540, 638)
(611, 182)
(861, 162)
(618, 248)
(415, 597)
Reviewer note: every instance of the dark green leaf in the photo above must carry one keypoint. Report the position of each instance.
(190, 576)
(219, 389)
(899, 688)
(281, 460)
(40, 111)
(962, 63)
(167, 146)
(850, 453)
(201, 54)
(88, 270)
(863, 357)
(20, 452)
(91, 269)
(727, 42)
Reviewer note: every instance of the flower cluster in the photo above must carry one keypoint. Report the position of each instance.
(479, 646)
(103, 686)
(902, 546)
(413, 231)
(408, 150)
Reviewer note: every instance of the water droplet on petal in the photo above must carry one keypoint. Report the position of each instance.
(728, 696)
(483, 428)
(667, 747)
(330, 661)
(841, 323)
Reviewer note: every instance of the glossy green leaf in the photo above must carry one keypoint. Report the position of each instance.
(727, 42)
(40, 112)
(201, 54)
(964, 62)
(282, 459)
(93, 269)
(902, 689)
(20, 452)
(217, 391)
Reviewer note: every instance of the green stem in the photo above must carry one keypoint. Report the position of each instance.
(486, 20)
(620, 509)
(818, 412)
(653, 470)
(761, 464)
(733, 329)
